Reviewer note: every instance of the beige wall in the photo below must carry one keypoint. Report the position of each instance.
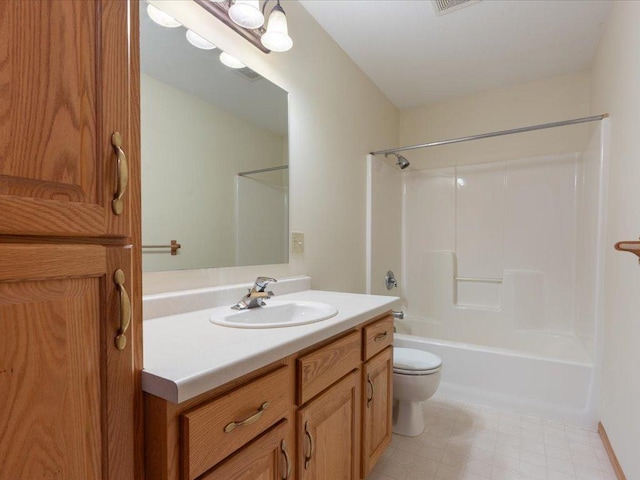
(191, 154)
(336, 115)
(616, 89)
(543, 101)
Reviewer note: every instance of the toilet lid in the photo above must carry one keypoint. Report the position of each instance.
(412, 360)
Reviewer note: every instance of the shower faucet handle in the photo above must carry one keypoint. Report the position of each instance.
(390, 280)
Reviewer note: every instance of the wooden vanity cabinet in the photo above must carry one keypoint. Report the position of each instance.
(377, 385)
(303, 417)
(329, 433)
(66, 72)
(70, 395)
(60, 313)
(269, 457)
(377, 407)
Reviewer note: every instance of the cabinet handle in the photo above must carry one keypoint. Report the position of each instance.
(122, 177)
(249, 420)
(380, 336)
(370, 399)
(125, 310)
(287, 461)
(307, 458)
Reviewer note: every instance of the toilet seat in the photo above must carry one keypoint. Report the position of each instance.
(409, 361)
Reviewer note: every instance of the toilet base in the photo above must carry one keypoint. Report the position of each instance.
(409, 419)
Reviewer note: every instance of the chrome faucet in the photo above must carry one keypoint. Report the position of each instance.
(256, 295)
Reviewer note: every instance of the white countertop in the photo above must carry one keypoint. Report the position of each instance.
(186, 355)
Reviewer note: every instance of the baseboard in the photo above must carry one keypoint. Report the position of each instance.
(612, 455)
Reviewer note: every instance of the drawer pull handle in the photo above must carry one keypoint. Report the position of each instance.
(380, 336)
(287, 461)
(122, 178)
(370, 383)
(125, 310)
(307, 458)
(247, 421)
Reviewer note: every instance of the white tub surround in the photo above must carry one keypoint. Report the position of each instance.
(186, 355)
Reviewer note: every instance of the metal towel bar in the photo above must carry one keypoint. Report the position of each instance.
(175, 246)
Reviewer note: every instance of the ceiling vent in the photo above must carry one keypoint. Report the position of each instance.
(447, 6)
(248, 74)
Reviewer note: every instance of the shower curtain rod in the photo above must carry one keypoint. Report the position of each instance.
(495, 134)
(262, 170)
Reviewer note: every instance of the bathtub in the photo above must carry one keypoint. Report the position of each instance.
(551, 388)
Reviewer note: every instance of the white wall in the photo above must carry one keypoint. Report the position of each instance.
(616, 89)
(191, 154)
(336, 116)
(550, 100)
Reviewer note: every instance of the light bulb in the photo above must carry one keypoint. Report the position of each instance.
(277, 38)
(231, 61)
(246, 13)
(198, 41)
(162, 18)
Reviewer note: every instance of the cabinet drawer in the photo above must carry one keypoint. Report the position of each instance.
(213, 431)
(325, 366)
(377, 337)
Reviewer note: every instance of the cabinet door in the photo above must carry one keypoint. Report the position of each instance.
(269, 457)
(329, 433)
(64, 72)
(66, 391)
(377, 408)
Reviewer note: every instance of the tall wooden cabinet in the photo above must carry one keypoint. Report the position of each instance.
(70, 344)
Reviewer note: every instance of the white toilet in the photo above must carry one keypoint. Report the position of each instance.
(416, 376)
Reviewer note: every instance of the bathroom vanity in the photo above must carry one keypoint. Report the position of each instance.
(305, 402)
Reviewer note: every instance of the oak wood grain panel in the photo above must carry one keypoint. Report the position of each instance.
(35, 216)
(321, 368)
(48, 119)
(117, 70)
(48, 94)
(119, 369)
(204, 426)
(333, 420)
(135, 193)
(377, 336)
(377, 413)
(51, 379)
(262, 459)
(41, 262)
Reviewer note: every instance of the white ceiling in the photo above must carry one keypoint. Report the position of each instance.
(416, 57)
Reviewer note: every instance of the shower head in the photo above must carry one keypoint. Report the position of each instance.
(402, 162)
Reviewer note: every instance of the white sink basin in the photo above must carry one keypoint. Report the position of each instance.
(276, 313)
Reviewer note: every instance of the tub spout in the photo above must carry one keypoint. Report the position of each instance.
(399, 315)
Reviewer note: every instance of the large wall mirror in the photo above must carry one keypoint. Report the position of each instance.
(214, 157)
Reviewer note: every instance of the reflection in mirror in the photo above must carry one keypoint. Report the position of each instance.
(214, 157)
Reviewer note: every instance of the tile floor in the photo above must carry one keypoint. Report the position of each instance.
(464, 441)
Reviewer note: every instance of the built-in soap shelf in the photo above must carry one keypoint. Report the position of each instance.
(631, 246)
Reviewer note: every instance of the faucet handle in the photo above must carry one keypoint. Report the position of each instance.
(262, 282)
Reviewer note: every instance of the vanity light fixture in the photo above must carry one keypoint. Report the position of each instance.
(161, 18)
(247, 18)
(247, 14)
(276, 38)
(231, 61)
(198, 41)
